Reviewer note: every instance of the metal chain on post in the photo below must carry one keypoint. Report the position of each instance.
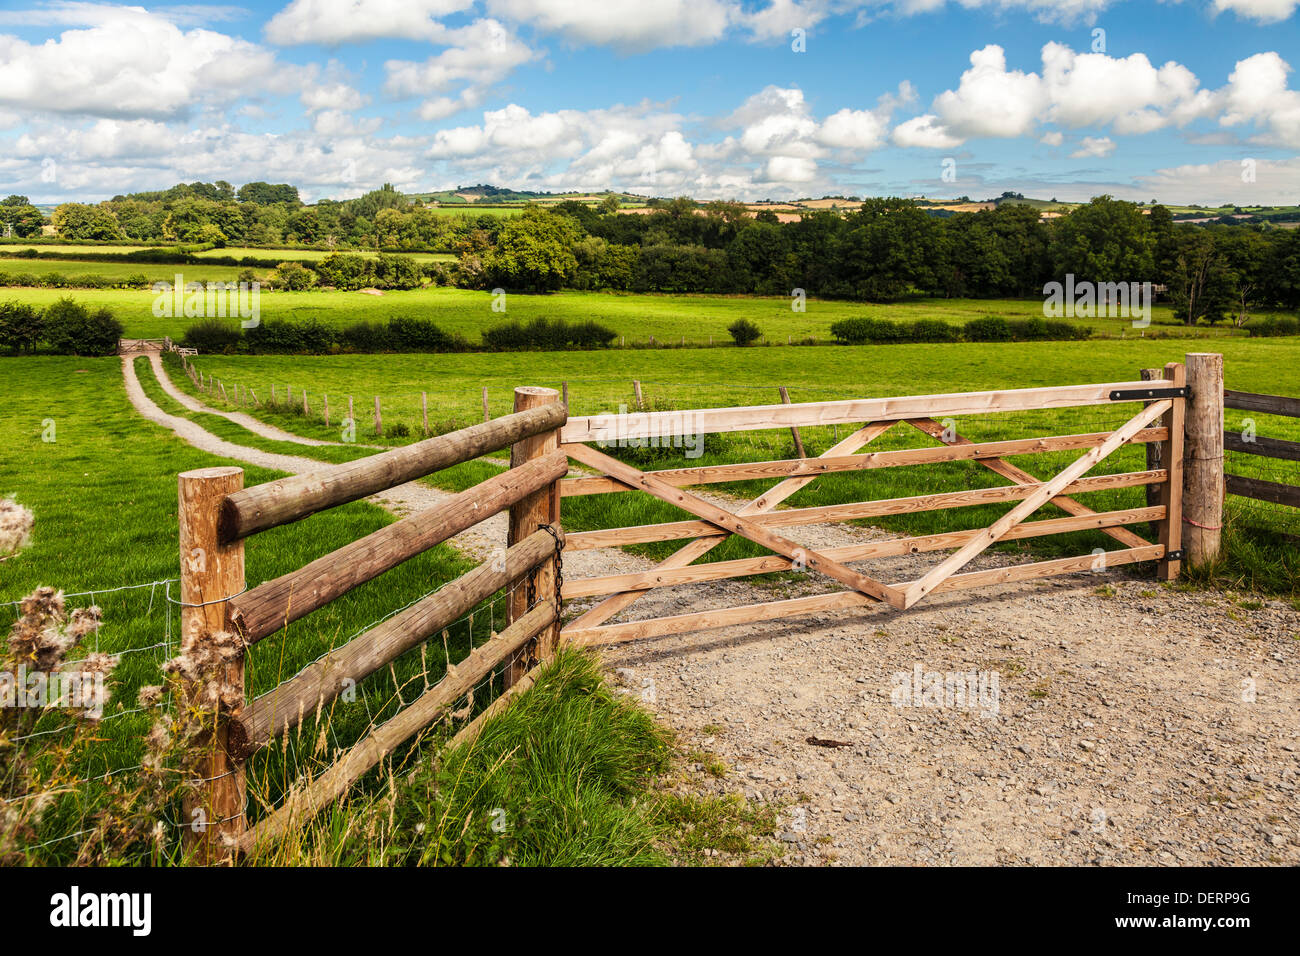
(559, 564)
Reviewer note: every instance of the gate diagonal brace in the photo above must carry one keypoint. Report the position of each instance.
(914, 591)
(1004, 468)
(765, 502)
(727, 521)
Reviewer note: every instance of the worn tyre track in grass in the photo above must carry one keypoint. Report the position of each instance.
(254, 425)
(479, 541)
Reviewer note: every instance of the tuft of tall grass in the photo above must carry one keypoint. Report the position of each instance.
(560, 778)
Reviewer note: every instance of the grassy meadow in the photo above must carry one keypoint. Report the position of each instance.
(638, 318)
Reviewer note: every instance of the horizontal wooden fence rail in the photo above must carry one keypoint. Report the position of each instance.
(610, 428)
(1264, 404)
(290, 499)
(1157, 402)
(1261, 446)
(1261, 489)
(274, 604)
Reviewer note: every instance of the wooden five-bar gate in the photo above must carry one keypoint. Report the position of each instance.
(217, 515)
(1158, 419)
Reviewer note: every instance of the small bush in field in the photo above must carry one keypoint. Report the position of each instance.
(72, 329)
(212, 335)
(744, 332)
(990, 328)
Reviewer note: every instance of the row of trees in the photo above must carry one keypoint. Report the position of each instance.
(265, 214)
(888, 249)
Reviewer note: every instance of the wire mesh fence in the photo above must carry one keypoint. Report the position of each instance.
(140, 632)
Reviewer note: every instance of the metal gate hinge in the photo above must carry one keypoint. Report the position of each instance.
(1176, 555)
(1139, 394)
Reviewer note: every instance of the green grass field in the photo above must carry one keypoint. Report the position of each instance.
(311, 255)
(117, 271)
(636, 318)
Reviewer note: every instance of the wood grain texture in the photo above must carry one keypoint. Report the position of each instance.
(290, 499)
(274, 604)
(211, 571)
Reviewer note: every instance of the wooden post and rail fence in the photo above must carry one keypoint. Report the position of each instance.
(1176, 412)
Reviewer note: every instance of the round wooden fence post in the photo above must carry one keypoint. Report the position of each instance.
(539, 508)
(1203, 458)
(210, 572)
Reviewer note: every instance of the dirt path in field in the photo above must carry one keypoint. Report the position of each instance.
(254, 425)
(1129, 723)
(479, 541)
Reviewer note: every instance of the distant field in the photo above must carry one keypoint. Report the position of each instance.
(117, 271)
(8, 252)
(698, 319)
(311, 255)
(9, 247)
(599, 381)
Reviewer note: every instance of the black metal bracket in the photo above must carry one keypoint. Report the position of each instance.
(1150, 394)
(1176, 555)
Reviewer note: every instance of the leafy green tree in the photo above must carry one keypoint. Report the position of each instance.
(72, 329)
(534, 251)
(78, 221)
(892, 246)
(18, 217)
(293, 276)
(744, 332)
(1199, 284)
(264, 194)
(1106, 240)
(21, 326)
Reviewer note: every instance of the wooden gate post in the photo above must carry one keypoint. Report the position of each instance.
(539, 508)
(1171, 493)
(210, 572)
(1203, 458)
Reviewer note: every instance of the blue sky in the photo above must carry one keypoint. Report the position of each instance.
(1180, 101)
